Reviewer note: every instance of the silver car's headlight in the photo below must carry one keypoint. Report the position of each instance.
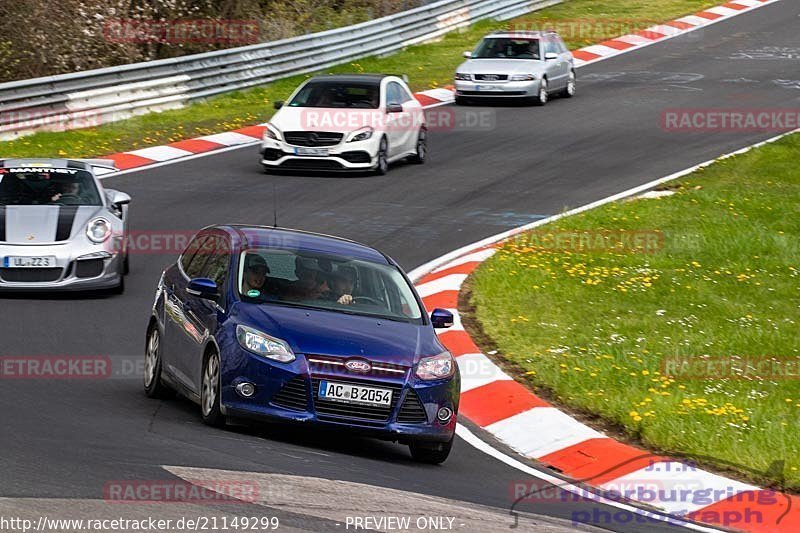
(462, 76)
(436, 367)
(98, 230)
(264, 345)
(523, 77)
(271, 132)
(361, 135)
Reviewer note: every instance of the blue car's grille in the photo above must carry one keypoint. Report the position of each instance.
(412, 411)
(293, 395)
(330, 410)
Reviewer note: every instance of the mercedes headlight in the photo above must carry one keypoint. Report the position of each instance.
(361, 135)
(436, 367)
(463, 77)
(271, 132)
(264, 345)
(98, 230)
(523, 77)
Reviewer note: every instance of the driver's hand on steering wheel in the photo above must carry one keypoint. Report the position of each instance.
(56, 197)
(345, 299)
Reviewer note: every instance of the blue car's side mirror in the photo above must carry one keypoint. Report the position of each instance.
(441, 318)
(203, 288)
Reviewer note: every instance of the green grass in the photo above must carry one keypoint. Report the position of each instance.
(427, 66)
(593, 328)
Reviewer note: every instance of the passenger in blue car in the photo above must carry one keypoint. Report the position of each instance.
(255, 276)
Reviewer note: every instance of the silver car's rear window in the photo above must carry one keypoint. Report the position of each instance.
(47, 186)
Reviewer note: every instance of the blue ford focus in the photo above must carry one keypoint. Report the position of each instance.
(277, 324)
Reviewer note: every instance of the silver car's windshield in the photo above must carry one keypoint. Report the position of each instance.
(334, 283)
(47, 186)
(507, 48)
(337, 95)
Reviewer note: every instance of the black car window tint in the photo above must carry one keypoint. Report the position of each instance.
(216, 268)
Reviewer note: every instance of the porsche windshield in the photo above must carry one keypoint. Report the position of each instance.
(507, 48)
(47, 186)
(337, 95)
(334, 283)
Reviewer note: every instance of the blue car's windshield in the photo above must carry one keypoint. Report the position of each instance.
(335, 283)
(47, 186)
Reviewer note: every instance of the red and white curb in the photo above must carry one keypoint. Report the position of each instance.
(667, 30)
(514, 415)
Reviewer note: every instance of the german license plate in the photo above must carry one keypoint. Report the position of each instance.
(487, 88)
(311, 151)
(46, 261)
(346, 393)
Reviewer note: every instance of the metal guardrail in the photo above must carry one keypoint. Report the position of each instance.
(81, 99)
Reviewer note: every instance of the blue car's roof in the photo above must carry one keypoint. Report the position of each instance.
(271, 237)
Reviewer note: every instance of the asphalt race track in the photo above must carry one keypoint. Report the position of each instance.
(65, 440)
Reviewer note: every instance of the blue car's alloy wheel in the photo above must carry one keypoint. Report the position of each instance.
(153, 386)
(209, 395)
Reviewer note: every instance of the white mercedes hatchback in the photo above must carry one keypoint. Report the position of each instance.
(346, 123)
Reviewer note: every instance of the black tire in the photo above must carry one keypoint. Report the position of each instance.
(126, 264)
(433, 453)
(154, 387)
(382, 166)
(210, 408)
(422, 147)
(542, 96)
(572, 86)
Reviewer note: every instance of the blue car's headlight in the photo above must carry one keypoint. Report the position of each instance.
(264, 345)
(436, 367)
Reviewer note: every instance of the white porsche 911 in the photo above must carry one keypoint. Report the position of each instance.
(59, 229)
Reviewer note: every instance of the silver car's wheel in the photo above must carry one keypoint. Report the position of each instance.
(209, 392)
(541, 96)
(571, 87)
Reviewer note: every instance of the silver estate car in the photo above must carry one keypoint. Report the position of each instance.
(529, 65)
(59, 229)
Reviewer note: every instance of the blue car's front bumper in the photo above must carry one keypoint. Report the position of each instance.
(289, 392)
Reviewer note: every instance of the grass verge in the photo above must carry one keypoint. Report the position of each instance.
(692, 348)
(429, 65)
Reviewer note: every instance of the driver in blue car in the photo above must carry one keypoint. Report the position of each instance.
(343, 282)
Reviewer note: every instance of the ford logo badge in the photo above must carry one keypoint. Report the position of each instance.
(358, 365)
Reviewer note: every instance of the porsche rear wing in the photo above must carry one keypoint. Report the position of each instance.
(103, 165)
